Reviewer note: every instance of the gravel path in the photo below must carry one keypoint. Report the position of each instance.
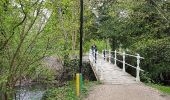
(125, 92)
(119, 85)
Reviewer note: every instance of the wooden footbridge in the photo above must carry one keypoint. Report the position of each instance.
(108, 72)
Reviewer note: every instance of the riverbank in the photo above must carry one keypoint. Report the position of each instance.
(164, 89)
(68, 92)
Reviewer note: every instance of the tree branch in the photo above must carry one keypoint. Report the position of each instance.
(13, 30)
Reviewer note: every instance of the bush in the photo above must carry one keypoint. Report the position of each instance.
(72, 67)
(60, 93)
(67, 92)
(157, 58)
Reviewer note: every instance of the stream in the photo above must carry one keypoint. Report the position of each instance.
(31, 92)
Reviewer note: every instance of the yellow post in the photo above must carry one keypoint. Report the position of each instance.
(78, 84)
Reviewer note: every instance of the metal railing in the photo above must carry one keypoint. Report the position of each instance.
(107, 54)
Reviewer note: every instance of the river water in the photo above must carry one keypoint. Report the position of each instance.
(32, 92)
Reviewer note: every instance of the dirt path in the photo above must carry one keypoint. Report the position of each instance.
(125, 92)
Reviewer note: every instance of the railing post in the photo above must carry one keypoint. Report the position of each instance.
(109, 56)
(115, 57)
(93, 56)
(90, 54)
(96, 57)
(124, 61)
(97, 54)
(104, 55)
(102, 60)
(138, 68)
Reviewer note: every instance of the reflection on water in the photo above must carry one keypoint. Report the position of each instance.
(33, 92)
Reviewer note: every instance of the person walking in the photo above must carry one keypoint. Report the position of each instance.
(94, 51)
(104, 54)
(95, 54)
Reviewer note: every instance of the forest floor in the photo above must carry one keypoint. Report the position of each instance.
(126, 92)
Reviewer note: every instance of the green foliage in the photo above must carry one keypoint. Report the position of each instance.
(67, 92)
(60, 93)
(141, 27)
(164, 89)
(101, 45)
(31, 30)
(72, 66)
(145, 77)
(157, 57)
(44, 74)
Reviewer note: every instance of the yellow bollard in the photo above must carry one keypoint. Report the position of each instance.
(78, 84)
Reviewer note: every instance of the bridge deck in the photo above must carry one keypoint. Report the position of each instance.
(109, 73)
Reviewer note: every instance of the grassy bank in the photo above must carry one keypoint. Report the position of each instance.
(67, 92)
(164, 89)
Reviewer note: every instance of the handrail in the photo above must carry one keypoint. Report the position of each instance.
(128, 64)
(108, 54)
(125, 54)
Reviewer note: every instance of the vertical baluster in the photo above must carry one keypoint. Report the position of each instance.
(96, 57)
(124, 61)
(90, 54)
(94, 52)
(115, 57)
(104, 55)
(110, 56)
(138, 68)
(101, 60)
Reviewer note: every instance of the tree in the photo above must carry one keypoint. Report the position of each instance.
(133, 25)
(22, 22)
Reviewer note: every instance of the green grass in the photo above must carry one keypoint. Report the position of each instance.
(164, 89)
(67, 92)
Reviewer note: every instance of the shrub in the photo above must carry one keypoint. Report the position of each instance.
(157, 57)
(60, 93)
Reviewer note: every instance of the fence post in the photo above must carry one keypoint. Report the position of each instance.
(109, 56)
(115, 57)
(138, 68)
(124, 61)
